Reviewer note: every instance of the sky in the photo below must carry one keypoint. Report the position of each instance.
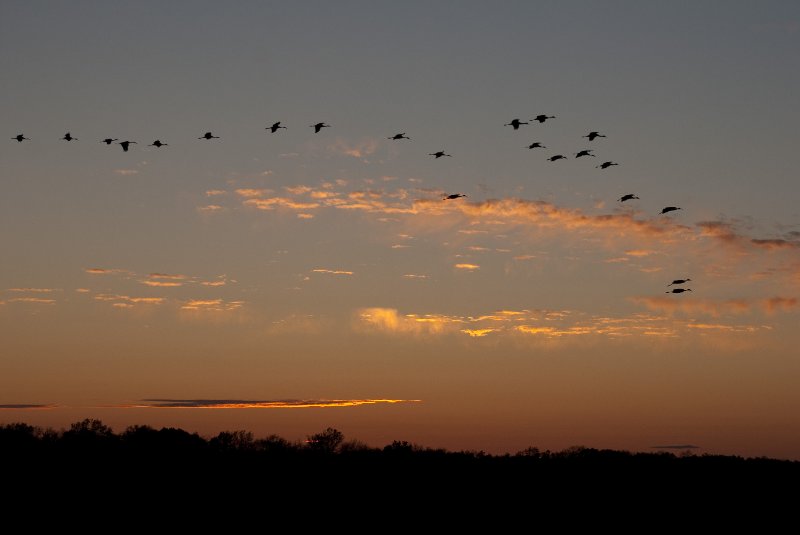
(291, 281)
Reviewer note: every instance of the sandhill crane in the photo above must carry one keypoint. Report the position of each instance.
(679, 281)
(536, 145)
(453, 196)
(606, 165)
(208, 135)
(275, 127)
(109, 141)
(126, 144)
(669, 209)
(627, 197)
(68, 137)
(157, 143)
(543, 118)
(20, 138)
(678, 290)
(439, 154)
(586, 152)
(399, 136)
(515, 123)
(593, 135)
(557, 157)
(319, 126)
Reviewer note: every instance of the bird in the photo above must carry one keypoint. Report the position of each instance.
(593, 135)
(108, 141)
(515, 123)
(586, 152)
(20, 138)
(319, 126)
(669, 209)
(536, 145)
(606, 165)
(275, 127)
(439, 154)
(208, 135)
(125, 144)
(157, 143)
(399, 136)
(543, 118)
(678, 290)
(679, 281)
(627, 197)
(68, 137)
(557, 157)
(453, 196)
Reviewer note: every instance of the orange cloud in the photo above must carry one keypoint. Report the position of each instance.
(214, 192)
(38, 300)
(332, 272)
(210, 208)
(259, 404)
(161, 284)
(250, 192)
(468, 267)
(211, 305)
(358, 149)
(716, 308)
(33, 290)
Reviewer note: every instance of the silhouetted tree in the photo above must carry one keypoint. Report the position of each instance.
(233, 441)
(327, 441)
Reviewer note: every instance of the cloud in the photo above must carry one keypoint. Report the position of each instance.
(83, 290)
(210, 208)
(388, 320)
(477, 333)
(39, 300)
(211, 305)
(130, 300)
(305, 216)
(778, 304)
(273, 202)
(358, 149)
(164, 280)
(250, 192)
(26, 406)
(414, 276)
(215, 192)
(161, 284)
(103, 271)
(467, 267)
(33, 290)
(126, 172)
(717, 308)
(260, 404)
(214, 283)
(332, 272)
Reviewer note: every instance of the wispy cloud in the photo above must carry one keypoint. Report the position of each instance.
(26, 406)
(38, 300)
(467, 267)
(211, 305)
(716, 308)
(357, 149)
(332, 271)
(33, 290)
(260, 404)
(126, 172)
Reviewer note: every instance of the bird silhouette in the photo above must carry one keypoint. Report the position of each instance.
(125, 144)
(68, 137)
(557, 157)
(606, 165)
(536, 145)
(679, 281)
(208, 135)
(275, 127)
(593, 135)
(543, 118)
(669, 209)
(627, 197)
(399, 136)
(453, 196)
(157, 143)
(108, 141)
(515, 123)
(586, 152)
(439, 154)
(319, 126)
(678, 290)
(20, 138)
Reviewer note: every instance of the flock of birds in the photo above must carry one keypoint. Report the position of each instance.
(515, 124)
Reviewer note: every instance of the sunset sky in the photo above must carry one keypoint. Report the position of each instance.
(288, 282)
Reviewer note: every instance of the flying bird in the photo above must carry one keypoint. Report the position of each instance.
(126, 144)
(20, 138)
(669, 209)
(543, 118)
(536, 145)
(208, 135)
(275, 127)
(439, 154)
(319, 126)
(515, 123)
(627, 197)
(399, 136)
(679, 281)
(593, 135)
(108, 140)
(678, 290)
(557, 157)
(586, 152)
(68, 137)
(453, 196)
(157, 143)
(606, 165)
